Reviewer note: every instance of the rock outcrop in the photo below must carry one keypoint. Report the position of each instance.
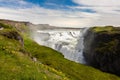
(14, 35)
(102, 48)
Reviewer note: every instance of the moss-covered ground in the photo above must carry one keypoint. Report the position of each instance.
(106, 29)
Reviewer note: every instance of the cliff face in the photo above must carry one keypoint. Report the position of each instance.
(102, 48)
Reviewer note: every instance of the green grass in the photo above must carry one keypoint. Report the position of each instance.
(107, 46)
(106, 29)
(16, 62)
(103, 29)
(5, 26)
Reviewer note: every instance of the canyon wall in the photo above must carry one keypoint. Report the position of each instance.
(102, 48)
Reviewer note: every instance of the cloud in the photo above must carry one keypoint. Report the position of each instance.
(15, 4)
(40, 15)
(98, 2)
(47, 16)
(105, 19)
(73, 16)
(101, 6)
(108, 10)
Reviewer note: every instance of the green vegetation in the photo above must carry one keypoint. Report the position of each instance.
(5, 26)
(16, 62)
(102, 29)
(106, 29)
(105, 47)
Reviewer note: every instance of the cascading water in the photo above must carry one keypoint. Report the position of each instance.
(69, 43)
(80, 46)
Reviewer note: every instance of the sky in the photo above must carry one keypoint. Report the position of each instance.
(63, 13)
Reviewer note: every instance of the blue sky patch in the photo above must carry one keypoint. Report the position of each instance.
(88, 10)
(53, 4)
(57, 2)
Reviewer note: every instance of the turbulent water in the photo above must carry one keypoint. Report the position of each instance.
(68, 42)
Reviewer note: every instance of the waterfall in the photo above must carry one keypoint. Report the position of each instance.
(69, 43)
(80, 46)
(75, 53)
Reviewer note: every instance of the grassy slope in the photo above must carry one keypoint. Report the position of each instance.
(14, 64)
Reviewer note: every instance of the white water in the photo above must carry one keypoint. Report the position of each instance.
(69, 43)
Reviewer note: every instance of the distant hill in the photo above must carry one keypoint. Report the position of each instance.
(38, 26)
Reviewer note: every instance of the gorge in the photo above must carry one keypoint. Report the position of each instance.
(68, 41)
(96, 46)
